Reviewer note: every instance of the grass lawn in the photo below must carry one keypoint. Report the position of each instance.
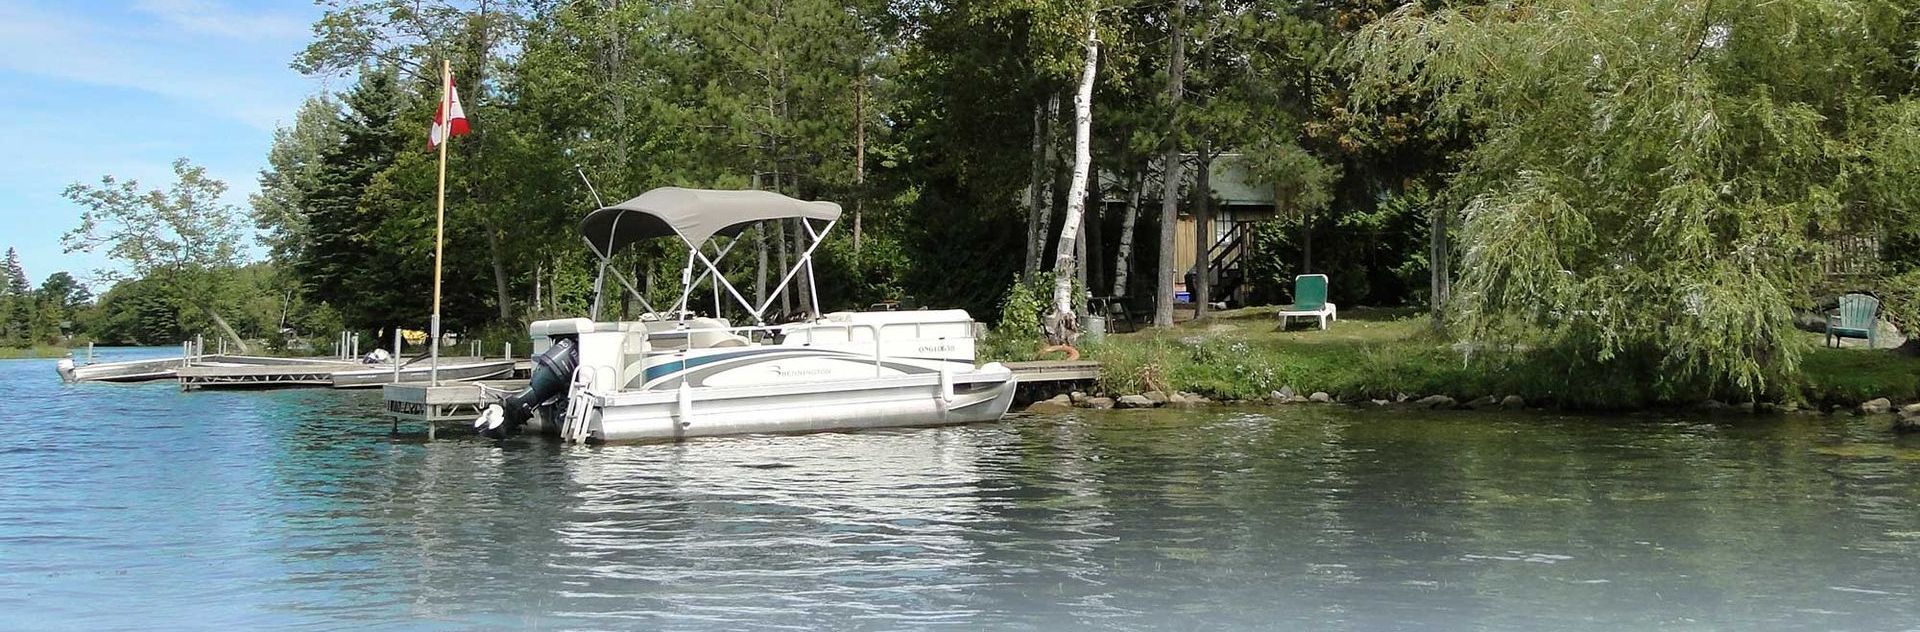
(1380, 354)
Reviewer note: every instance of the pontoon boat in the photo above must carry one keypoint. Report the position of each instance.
(672, 375)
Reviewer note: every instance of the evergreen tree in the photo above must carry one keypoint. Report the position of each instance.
(16, 276)
(293, 168)
(16, 302)
(339, 263)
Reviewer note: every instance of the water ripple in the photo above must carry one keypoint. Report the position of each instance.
(140, 506)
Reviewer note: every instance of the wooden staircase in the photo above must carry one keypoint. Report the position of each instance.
(1226, 269)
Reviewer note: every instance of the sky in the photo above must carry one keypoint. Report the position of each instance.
(95, 87)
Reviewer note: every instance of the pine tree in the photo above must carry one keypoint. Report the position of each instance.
(293, 166)
(337, 262)
(16, 276)
(16, 302)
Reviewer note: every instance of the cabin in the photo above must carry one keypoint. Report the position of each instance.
(1238, 202)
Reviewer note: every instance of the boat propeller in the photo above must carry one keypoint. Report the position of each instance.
(490, 420)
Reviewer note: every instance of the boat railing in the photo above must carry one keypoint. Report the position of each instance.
(808, 330)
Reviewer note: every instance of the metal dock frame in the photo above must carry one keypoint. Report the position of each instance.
(455, 403)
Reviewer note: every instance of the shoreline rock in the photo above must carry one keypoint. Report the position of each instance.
(1909, 419)
(1048, 407)
(1876, 406)
(1906, 417)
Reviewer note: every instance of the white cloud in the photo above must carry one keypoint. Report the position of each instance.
(245, 81)
(213, 18)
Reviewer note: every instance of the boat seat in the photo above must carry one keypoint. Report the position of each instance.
(712, 333)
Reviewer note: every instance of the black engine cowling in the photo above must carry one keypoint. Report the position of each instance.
(552, 370)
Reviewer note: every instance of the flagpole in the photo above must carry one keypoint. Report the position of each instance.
(440, 212)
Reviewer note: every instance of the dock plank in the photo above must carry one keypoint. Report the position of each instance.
(1054, 370)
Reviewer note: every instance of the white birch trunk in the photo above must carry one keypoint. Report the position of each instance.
(1064, 327)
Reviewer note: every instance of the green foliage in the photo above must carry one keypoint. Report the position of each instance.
(1372, 355)
(183, 238)
(138, 312)
(1017, 334)
(350, 259)
(1640, 201)
(293, 168)
(16, 302)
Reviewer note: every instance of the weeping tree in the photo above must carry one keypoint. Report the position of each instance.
(1653, 178)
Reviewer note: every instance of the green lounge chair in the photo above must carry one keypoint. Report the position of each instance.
(1854, 319)
(1310, 300)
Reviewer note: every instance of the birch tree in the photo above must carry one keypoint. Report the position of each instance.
(1063, 326)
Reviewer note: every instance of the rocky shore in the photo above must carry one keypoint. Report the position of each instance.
(1906, 417)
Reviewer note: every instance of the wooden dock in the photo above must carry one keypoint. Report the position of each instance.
(1042, 379)
(460, 403)
(1044, 371)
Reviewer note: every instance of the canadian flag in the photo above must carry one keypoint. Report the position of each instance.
(442, 122)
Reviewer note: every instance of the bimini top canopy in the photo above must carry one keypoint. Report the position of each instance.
(695, 215)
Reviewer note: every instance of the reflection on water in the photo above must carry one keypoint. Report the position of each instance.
(138, 506)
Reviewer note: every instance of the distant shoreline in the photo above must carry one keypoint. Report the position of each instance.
(38, 352)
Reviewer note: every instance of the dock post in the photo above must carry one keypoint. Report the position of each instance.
(89, 353)
(199, 345)
(396, 356)
(506, 352)
(186, 353)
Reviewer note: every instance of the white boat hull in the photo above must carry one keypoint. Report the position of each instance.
(891, 401)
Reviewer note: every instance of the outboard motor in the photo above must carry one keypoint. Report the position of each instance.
(552, 372)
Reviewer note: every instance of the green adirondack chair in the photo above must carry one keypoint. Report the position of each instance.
(1310, 300)
(1855, 318)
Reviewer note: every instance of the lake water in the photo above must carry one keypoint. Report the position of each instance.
(139, 507)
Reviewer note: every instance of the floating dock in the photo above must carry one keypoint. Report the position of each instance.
(168, 368)
(201, 376)
(458, 404)
(234, 372)
(341, 374)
